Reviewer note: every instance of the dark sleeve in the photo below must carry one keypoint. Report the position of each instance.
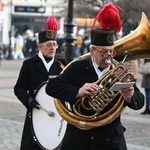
(137, 100)
(22, 85)
(62, 87)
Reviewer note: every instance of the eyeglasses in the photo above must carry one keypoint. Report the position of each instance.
(51, 45)
(104, 51)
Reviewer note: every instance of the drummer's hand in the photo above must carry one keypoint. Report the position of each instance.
(127, 93)
(87, 89)
(32, 103)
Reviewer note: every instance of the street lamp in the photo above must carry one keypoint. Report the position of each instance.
(69, 37)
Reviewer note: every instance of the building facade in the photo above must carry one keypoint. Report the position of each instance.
(20, 15)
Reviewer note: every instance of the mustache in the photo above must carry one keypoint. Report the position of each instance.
(108, 58)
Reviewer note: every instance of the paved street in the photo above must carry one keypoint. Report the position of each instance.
(12, 114)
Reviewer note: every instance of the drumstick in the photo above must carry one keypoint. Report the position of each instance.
(50, 113)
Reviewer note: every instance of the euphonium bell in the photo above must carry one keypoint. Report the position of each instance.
(136, 45)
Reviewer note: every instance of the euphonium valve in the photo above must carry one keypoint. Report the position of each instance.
(99, 100)
(100, 107)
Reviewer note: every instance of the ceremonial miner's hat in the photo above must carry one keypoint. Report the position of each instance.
(50, 31)
(109, 22)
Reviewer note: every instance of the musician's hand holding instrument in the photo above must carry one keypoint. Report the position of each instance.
(32, 103)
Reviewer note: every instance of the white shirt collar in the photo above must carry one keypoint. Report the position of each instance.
(98, 72)
(47, 65)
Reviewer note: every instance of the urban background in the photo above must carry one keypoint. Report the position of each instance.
(27, 17)
(31, 14)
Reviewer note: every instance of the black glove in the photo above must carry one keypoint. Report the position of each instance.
(32, 103)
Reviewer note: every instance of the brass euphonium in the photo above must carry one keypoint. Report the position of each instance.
(136, 45)
(102, 106)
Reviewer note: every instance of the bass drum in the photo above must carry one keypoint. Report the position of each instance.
(48, 131)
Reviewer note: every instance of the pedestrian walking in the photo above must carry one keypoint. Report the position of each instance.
(132, 66)
(19, 43)
(146, 85)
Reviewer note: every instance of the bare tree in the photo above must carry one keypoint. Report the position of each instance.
(130, 14)
(88, 8)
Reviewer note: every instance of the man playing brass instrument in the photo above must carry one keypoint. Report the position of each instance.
(78, 80)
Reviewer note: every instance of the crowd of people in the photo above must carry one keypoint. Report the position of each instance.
(19, 46)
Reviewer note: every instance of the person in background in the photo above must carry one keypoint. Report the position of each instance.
(10, 46)
(33, 73)
(132, 66)
(78, 45)
(29, 38)
(33, 46)
(87, 42)
(79, 79)
(18, 53)
(146, 85)
(60, 42)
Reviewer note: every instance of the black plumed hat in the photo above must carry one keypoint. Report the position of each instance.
(47, 35)
(50, 32)
(109, 23)
(102, 37)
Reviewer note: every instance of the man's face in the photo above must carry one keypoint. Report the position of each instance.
(102, 53)
(48, 48)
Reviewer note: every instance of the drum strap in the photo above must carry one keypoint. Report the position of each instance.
(61, 65)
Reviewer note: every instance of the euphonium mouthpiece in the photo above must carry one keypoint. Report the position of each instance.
(108, 61)
(108, 58)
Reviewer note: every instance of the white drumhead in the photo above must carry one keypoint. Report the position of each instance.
(49, 131)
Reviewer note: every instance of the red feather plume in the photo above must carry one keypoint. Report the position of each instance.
(51, 24)
(109, 18)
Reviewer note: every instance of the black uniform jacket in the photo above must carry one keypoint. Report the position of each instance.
(65, 87)
(32, 74)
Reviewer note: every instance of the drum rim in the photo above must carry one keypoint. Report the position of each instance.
(35, 139)
(39, 86)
